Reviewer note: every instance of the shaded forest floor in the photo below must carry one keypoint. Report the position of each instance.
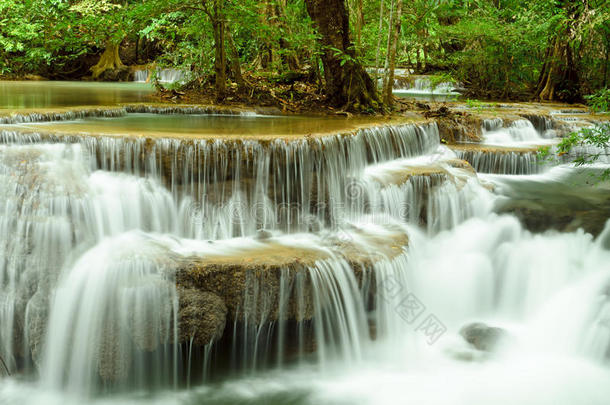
(292, 93)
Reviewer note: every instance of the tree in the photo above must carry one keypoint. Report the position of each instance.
(392, 49)
(215, 11)
(559, 78)
(346, 82)
(91, 11)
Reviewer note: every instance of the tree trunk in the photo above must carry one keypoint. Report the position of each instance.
(110, 60)
(359, 24)
(267, 14)
(137, 49)
(387, 91)
(234, 60)
(220, 56)
(347, 83)
(559, 79)
(386, 64)
(378, 42)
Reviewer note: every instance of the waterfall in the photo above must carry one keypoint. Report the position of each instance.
(423, 85)
(520, 131)
(113, 306)
(140, 76)
(166, 75)
(77, 278)
(508, 149)
(336, 268)
(502, 161)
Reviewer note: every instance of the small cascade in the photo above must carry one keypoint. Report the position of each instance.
(511, 149)
(520, 131)
(112, 318)
(543, 124)
(140, 76)
(54, 208)
(426, 191)
(500, 161)
(78, 113)
(166, 75)
(423, 85)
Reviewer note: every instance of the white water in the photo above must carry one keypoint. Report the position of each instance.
(166, 75)
(520, 132)
(423, 86)
(518, 144)
(98, 249)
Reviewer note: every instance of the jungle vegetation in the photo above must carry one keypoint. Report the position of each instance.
(549, 50)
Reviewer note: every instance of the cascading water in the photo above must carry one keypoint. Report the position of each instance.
(424, 86)
(167, 75)
(511, 149)
(335, 269)
(521, 131)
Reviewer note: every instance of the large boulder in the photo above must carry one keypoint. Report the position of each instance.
(37, 316)
(483, 337)
(202, 316)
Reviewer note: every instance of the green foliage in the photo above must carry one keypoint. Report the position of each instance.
(496, 49)
(478, 105)
(583, 147)
(600, 101)
(441, 77)
(343, 57)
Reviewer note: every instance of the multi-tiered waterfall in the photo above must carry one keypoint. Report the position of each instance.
(333, 268)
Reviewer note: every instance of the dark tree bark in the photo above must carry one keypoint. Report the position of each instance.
(359, 24)
(234, 59)
(347, 83)
(559, 79)
(215, 11)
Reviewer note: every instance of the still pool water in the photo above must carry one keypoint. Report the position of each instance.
(201, 125)
(49, 94)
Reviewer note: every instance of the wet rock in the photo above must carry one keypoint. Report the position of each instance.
(35, 78)
(37, 314)
(263, 234)
(483, 337)
(123, 74)
(114, 360)
(559, 211)
(150, 324)
(252, 280)
(454, 127)
(202, 316)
